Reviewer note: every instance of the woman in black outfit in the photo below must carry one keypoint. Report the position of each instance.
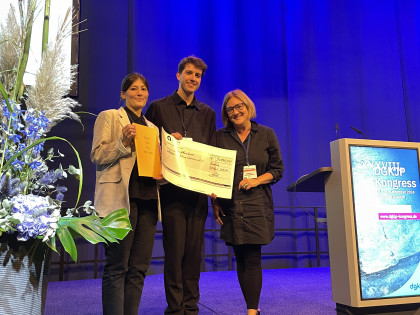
(247, 220)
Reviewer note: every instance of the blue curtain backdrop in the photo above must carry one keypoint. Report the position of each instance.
(309, 66)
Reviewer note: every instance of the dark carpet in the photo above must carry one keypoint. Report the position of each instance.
(285, 291)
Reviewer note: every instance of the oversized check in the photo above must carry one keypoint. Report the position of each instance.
(198, 167)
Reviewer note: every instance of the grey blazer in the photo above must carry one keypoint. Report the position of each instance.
(114, 162)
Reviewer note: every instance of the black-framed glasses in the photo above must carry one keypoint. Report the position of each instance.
(238, 107)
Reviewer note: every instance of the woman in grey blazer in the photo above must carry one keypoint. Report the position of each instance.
(118, 185)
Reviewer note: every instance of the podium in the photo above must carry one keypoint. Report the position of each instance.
(372, 193)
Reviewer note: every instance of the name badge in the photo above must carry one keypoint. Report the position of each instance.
(187, 138)
(250, 171)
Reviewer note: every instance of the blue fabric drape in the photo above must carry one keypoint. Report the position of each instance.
(309, 66)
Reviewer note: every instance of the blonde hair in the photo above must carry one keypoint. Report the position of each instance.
(244, 98)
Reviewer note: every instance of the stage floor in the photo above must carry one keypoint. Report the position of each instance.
(285, 291)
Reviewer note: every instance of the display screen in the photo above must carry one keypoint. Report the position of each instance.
(386, 196)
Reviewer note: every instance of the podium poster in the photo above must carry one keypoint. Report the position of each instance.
(386, 196)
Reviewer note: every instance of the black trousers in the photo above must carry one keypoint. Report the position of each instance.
(127, 261)
(184, 215)
(248, 260)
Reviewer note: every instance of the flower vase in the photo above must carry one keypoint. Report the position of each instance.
(24, 271)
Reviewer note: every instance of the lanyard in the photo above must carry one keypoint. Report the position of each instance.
(184, 128)
(246, 150)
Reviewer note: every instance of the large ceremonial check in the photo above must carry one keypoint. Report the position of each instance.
(198, 167)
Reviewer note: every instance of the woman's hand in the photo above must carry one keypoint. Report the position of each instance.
(217, 210)
(129, 132)
(248, 183)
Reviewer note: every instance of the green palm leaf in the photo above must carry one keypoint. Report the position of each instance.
(67, 241)
(115, 221)
(112, 228)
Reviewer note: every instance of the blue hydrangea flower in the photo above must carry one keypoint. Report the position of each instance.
(36, 215)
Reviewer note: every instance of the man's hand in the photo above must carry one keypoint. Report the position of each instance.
(176, 135)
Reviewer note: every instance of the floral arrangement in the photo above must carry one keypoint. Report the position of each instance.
(31, 193)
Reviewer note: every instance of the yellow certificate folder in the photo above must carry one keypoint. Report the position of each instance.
(147, 150)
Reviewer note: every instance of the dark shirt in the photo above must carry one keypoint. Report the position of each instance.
(250, 213)
(140, 187)
(196, 121)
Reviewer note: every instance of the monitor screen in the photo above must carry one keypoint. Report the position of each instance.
(386, 197)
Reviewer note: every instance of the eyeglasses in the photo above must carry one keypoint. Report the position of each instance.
(238, 107)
